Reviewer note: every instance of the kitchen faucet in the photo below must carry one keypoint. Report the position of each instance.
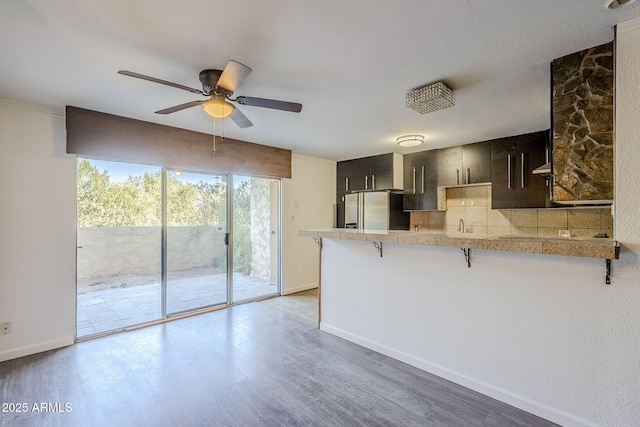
(461, 226)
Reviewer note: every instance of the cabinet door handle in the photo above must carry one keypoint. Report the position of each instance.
(346, 184)
(522, 171)
(373, 182)
(468, 176)
(422, 182)
(457, 176)
(414, 180)
(509, 171)
(366, 182)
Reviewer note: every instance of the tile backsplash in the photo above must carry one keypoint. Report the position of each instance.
(473, 206)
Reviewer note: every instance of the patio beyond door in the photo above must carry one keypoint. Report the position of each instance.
(196, 241)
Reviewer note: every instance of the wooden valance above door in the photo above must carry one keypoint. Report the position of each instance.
(108, 137)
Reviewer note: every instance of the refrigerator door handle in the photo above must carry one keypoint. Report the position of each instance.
(360, 211)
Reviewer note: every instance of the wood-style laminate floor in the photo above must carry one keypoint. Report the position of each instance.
(257, 364)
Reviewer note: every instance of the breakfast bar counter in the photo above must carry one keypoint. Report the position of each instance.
(570, 246)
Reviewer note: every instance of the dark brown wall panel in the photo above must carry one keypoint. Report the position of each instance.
(110, 137)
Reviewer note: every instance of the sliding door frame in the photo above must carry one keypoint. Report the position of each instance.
(229, 183)
(228, 243)
(278, 252)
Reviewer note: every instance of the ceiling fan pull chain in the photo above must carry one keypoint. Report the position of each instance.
(214, 134)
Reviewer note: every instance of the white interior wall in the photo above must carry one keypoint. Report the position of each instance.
(627, 128)
(308, 200)
(37, 232)
(542, 333)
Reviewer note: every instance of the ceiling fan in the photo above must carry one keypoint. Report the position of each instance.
(218, 86)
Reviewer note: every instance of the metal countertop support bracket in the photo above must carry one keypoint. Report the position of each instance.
(318, 241)
(467, 255)
(607, 279)
(378, 246)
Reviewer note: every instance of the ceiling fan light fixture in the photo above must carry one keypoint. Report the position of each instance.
(410, 140)
(218, 108)
(615, 4)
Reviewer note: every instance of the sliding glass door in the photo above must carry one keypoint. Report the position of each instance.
(256, 222)
(156, 242)
(196, 235)
(119, 232)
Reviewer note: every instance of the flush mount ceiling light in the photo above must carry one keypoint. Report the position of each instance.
(217, 107)
(615, 4)
(430, 98)
(410, 140)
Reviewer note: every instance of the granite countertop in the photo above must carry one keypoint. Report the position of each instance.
(569, 246)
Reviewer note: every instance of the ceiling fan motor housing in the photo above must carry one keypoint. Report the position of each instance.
(209, 80)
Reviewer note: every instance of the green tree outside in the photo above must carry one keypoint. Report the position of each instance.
(136, 202)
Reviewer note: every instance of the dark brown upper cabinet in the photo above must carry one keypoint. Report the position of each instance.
(370, 173)
(513, 159)
(420, 181)
(467, 164)
(382, 172)
(449, 166)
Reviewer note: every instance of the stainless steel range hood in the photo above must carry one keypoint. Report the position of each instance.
(584, 202)
(544, 170)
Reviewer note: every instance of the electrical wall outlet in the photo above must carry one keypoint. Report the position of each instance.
(5, 328)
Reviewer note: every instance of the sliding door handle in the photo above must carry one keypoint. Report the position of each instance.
(522, 171)
(509, 171)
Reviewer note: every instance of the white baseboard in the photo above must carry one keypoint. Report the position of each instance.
(35, 348)
(299, 288)
(513, 399)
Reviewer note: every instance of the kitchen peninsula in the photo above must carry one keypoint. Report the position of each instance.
(571, 246)
(415, 299)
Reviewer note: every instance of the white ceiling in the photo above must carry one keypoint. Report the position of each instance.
(350, 63)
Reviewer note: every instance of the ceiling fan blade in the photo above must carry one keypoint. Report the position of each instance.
(232, 75)
(270, 103)
(240, 119)
(163, 82)
(179, 107)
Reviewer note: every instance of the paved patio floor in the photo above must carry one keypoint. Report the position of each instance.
(110, 309)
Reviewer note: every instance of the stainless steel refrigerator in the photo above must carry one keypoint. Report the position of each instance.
(375, 210)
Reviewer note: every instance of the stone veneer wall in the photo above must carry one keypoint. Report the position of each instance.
(583, 111)
(473, 206)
